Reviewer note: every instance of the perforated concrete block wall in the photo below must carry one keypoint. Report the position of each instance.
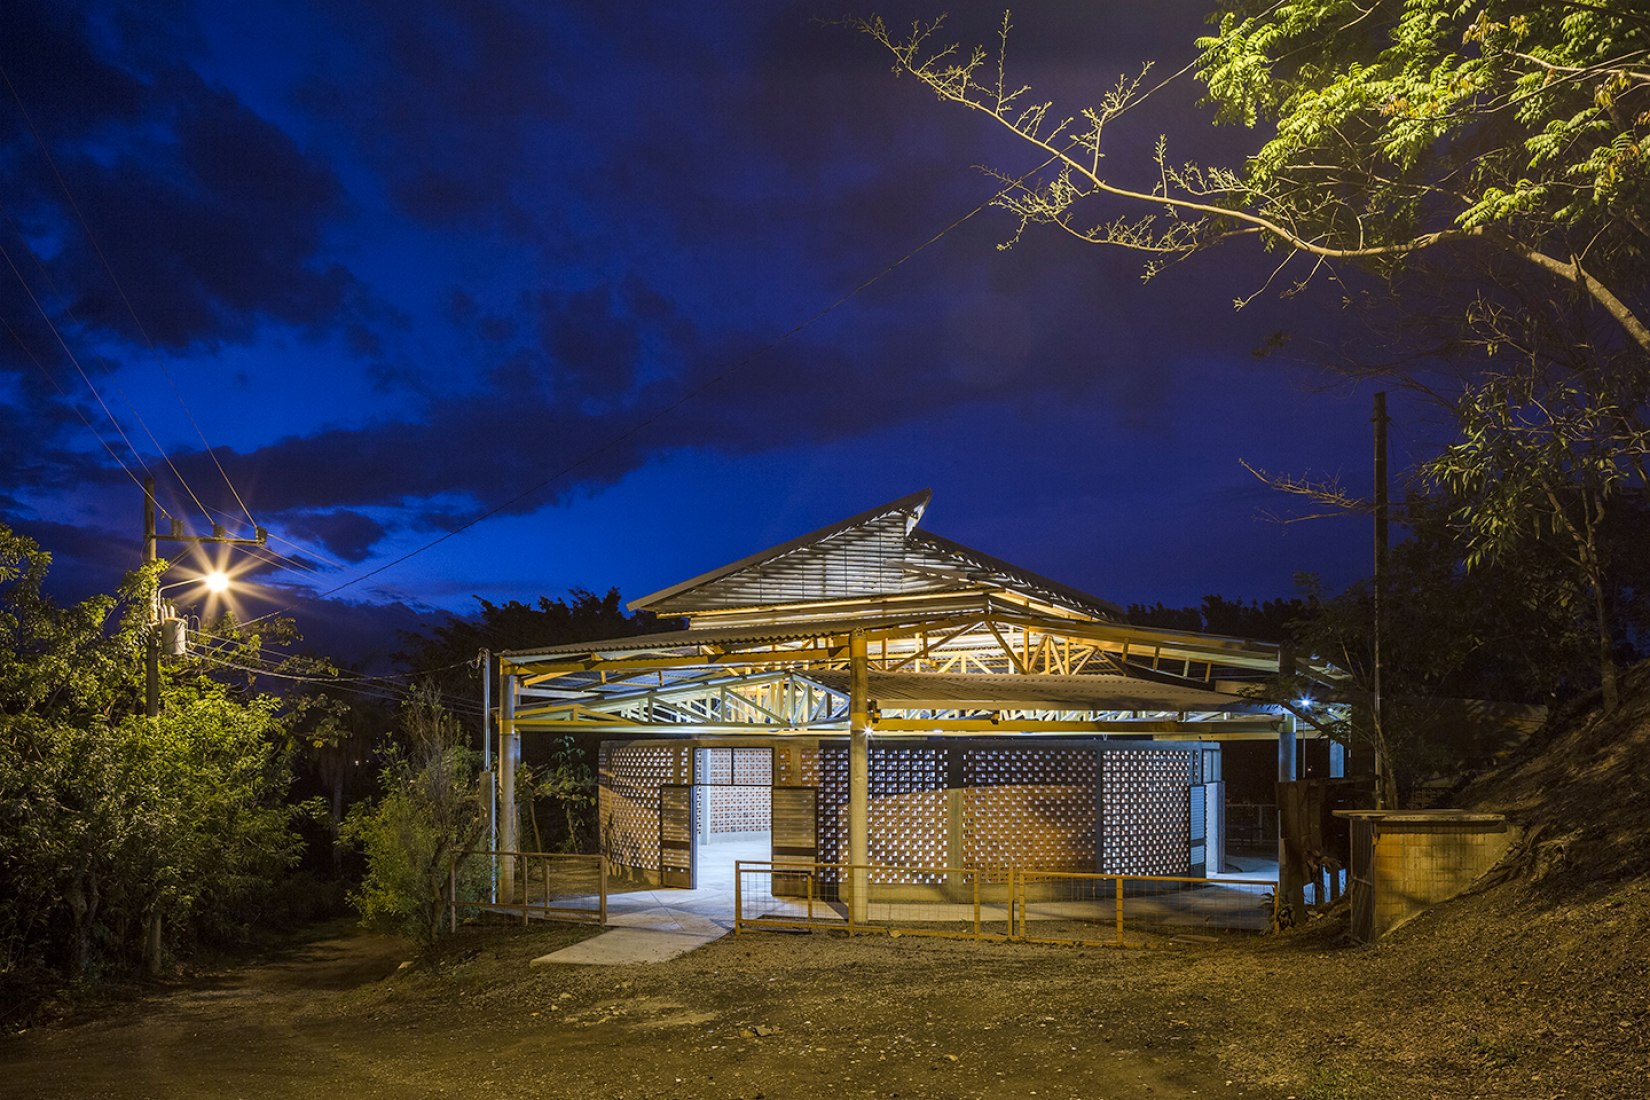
(627, 799)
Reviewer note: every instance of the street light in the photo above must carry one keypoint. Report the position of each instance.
(216, 581)
(167, 630)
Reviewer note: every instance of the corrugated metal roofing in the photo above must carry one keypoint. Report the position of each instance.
(876, 553)
(692, 639)
(940, 691)
(1004, 574)
(856, 556)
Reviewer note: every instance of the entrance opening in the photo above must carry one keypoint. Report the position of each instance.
(734, 811)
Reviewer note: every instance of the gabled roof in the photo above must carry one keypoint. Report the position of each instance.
(877, 553)
(1002, 574)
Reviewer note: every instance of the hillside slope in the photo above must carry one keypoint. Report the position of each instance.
(1580, 789)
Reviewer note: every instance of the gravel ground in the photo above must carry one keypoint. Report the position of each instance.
(1536, 987)
(1497, 995)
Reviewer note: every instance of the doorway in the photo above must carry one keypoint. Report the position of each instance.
(733, 812)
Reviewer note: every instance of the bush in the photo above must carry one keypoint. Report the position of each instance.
(431, 812)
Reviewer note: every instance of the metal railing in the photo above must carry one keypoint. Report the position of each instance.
(546, 885)
(996, 904)
(1106, 910)
(927, 901)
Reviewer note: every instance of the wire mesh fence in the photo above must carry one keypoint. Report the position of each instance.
(1004, 903)
(1116, 910)
(916, 901)
(546, 885)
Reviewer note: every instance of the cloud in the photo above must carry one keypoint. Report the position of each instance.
(347, 534)
(209, 215)
(443, 100)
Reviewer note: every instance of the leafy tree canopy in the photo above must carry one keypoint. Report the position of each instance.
(1268, 621)
(122, 838)
(1390, 129)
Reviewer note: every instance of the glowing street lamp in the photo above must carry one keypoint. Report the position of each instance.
(216, 582)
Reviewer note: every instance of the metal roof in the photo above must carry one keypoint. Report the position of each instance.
(1007, 575)
(940, 691)
(695, 637)
(877, 553)
(869, 543)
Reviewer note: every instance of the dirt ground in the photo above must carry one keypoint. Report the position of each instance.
(754, 1016)
(1535, 987)
(1498, 995)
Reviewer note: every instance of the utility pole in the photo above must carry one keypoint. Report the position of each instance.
(1382, 764)
(151, 665)
(151, 540)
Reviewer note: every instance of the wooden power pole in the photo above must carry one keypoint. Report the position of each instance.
(1376, 717)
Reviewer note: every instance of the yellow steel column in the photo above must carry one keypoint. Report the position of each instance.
(859, 754)
(509, 755)
(1119, 889)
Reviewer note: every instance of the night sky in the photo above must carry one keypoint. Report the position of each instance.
(399, 263)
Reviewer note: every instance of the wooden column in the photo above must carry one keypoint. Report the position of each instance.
(859, 786)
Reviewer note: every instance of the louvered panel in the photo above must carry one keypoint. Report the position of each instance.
(676, 828)
(862, 561)
(795, 836)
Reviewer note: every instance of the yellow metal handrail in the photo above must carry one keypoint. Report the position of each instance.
(509, 880)
(921, 900)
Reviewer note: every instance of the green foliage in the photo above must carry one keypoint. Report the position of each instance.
(122, 837)
(433, 809)
(444, 655)
(1385, 130)
(1543, 458)
(566, 780)
(1517, 113)
(1451, 634)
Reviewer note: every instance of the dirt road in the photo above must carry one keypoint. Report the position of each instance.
(759, 1016)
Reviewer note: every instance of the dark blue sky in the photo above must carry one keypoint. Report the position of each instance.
(401, 261)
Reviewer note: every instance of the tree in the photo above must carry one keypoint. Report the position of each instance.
(1392, 130)
(1453, 634)
(432, 811)
(1544, 457)
(122, 838)
(1270, 621)
(444, 655)
(566, 779)
(562, 770)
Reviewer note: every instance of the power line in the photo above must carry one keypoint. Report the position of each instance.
(688, 396)
(45, 151)
(142, 331)
(369, 687)
(75, 408)
(84, 377)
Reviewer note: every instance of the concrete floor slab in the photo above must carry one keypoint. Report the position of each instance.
(629, 947)
(649, 926)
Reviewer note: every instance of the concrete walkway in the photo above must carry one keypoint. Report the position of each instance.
(649, 926)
